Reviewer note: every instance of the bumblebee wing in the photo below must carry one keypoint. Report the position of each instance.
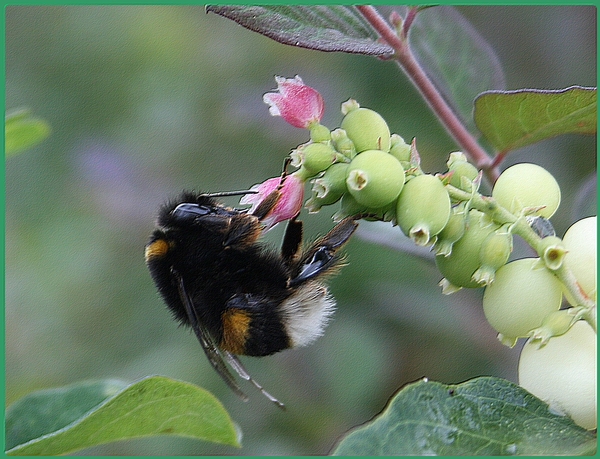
(213, 353)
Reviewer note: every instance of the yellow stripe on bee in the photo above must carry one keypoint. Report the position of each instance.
(156, 249)
(236, 327)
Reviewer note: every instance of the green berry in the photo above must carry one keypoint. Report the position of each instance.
(493, 254)
(563, 373)
(329, 188)
(527, 187)
(314, 157)
(452, 232)
(350, 206)
(455, 156)
(580, 243)
(423, 208)
(399, 148)
(524, 292)
(459, 266)
(463, 174)
(375, 178)
(367, 129)
(319, 133)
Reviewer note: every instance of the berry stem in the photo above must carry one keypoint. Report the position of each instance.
(565, 275)
(429, 92)
(590, 318)
(500, 215)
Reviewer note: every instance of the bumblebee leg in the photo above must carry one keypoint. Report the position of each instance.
(340, 233)
(320, 256)
(271, 200)
(211, 350)
(267, 204)
(222, 194)
(243, 231)
(216, 355)
(291, 240)
(239, 368)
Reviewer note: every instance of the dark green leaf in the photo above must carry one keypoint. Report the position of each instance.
(22, 131)
(514, 119)
(456, 57)
(323, 28)
(484, 416)
(47, 411)
(60, 421)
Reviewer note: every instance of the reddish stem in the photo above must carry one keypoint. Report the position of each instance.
(429, 92)
(498, 159)
(410, 17)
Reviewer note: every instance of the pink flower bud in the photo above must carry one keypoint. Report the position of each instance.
(298, 104)
(289, 203)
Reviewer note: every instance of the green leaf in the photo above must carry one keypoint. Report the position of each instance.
(324, 28)
(484, 416)
(514, 119)
(60, 421)
(47, 411)
(23, 131)
(456, 57)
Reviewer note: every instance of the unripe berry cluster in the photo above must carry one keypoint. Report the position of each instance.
(562, 370)
(377, 175)
(374, 173)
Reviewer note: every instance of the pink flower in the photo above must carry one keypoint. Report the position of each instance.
(298, 104)
(290, 200)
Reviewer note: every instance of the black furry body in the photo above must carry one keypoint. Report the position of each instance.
(221, 272)
(223, 266)
(238, 296)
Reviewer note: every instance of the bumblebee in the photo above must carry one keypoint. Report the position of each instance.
(239, 297)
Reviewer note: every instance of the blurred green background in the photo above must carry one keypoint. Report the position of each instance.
(145, 101)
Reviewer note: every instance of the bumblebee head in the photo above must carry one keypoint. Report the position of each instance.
(188, 211)
(193, 210)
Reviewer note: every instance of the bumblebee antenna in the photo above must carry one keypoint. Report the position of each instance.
(239, 368)
(222, 194)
